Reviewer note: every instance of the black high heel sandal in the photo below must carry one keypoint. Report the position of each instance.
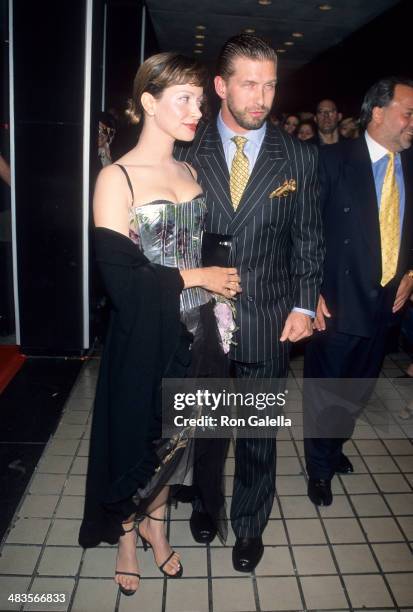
(146, 544)
(128, 592)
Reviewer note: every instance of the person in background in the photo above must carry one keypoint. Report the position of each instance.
(306, 116)
(327, 119)
(367, 208)
(349, 128)
(307, 131)
(290, 124)
(274, 119)
(107, 131)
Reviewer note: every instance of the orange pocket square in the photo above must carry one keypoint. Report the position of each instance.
(284, 189)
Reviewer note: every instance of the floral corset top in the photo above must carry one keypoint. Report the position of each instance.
(171, 235)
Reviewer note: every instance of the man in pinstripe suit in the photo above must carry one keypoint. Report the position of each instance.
(277, 249)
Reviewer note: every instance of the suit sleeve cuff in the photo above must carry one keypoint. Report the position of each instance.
(310, 313)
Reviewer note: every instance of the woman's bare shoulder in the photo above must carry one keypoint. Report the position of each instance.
(111, 200)
(110, 174)
(113, 185)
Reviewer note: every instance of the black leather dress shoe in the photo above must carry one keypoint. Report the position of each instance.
(247, 553)
(344, 465)
(319, 491)
(202, 527)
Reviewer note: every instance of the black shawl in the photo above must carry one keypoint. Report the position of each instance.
(144, 334)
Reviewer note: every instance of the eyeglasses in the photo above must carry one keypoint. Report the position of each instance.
(326, 112)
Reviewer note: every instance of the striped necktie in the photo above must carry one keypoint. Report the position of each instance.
(389, 217)
(239, 174)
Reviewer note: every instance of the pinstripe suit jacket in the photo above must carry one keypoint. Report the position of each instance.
(277, 242)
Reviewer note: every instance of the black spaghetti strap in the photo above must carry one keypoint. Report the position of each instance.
(189, 169)
(128, 180)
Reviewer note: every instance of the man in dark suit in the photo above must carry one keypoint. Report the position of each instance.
(367, 209)
(261, 189)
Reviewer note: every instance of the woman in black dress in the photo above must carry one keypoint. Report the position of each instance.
(149, 213)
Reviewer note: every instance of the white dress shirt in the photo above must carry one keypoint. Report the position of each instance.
(251, 148)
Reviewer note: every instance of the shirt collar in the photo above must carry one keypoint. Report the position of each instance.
(376, 150)
(254, 136)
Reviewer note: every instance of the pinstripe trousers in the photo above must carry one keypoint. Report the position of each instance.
(255, 461)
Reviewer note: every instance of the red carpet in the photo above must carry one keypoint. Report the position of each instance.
(10, 363)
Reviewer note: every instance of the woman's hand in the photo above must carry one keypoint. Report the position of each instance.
(224, 281)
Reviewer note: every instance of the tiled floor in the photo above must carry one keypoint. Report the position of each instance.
(353, 555)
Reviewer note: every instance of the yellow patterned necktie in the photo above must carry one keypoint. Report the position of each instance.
(389, 217)
(239, 171)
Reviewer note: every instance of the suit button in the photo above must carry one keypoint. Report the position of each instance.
(346, 209)
(374, 293)
(250, 298)
(346, 271)
(347, 241)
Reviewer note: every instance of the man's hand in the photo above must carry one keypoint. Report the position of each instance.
(322, 312)
(403, 293)
(297, 326)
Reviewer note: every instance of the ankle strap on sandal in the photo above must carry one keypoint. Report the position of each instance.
(154, 518)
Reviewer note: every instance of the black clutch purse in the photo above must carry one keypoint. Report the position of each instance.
(216, 249)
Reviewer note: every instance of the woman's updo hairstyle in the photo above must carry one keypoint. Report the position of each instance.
(159, 72)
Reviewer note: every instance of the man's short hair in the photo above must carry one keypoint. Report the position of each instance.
(380, 94)
(243, 45)
(326, 100)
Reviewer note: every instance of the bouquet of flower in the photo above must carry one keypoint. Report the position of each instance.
(225, 312)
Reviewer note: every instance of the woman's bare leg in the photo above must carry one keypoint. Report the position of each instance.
(126, 560)
(154, 532)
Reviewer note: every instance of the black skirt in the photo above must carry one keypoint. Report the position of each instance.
(205, 457)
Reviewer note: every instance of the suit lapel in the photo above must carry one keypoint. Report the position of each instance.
(271, 161)
(214, 175)
(362, 191)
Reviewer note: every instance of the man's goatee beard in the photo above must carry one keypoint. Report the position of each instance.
(244, 122)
